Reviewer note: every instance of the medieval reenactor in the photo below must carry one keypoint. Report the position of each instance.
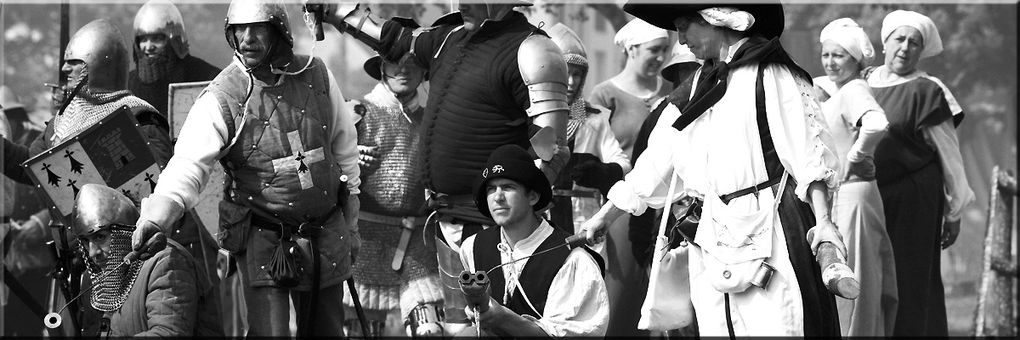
(162, 55)
(278, 124)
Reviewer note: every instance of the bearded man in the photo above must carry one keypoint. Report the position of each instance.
(278, 123)
(162, 55)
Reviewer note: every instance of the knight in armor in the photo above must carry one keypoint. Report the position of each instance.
(557, 291)
(165, 295)
(397, 278)
(278, 124)
(96, 64)
(162, 55)
(596, 159)
(495, 79)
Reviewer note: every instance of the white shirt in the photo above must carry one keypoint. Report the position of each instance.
(595, 137)
(577, 303)
(204, 133)
(729, 129)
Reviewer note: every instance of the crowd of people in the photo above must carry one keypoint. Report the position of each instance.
(476, 191)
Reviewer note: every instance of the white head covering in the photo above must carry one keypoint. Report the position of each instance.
(923, 24)
(638, 32)
(728, 17)
(851, 37)
(682, 54)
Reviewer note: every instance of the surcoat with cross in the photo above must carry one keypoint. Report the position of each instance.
(282, 162)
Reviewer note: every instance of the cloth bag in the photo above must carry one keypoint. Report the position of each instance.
(732, 268)
(667, 303)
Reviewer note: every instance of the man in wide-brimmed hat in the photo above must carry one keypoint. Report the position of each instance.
(557, 291)
(495, 79)
(750, 146)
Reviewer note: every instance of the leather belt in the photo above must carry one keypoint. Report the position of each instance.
(307, 229)
(407, 225)
(391, 220)
(576, 193)
(750, 190)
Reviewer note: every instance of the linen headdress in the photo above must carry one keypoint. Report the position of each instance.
(920, 22)
(851, 37)
(638, 32)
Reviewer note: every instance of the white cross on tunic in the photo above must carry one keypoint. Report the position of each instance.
(300, 161)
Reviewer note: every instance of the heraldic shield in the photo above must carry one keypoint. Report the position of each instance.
(112, 152)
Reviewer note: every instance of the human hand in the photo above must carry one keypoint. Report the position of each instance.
(147, 240)
(368, 157)
(594, 229)
(950, 230)
(825, 231)
(861, 170)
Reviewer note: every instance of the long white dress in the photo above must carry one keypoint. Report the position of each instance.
(720, 152)
(858, 212)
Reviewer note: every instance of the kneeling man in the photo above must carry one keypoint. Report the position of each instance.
(558, 292)
(163, 295)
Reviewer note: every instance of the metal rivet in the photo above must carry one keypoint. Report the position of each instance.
(266, 123)
(726, 274)
(302, 110)
(279, 97)
(309, 85)
(262, 267)
(250, 198)
(334, 264)
(290, 204)
(254, 146)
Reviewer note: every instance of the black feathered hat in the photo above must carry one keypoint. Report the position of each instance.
(512, 162)
(769, 20)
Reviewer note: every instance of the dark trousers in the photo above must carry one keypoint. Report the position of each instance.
(269, 308)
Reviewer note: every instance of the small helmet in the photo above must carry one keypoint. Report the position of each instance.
(254, 11)
(569, 43)
(162, 17)
(100, 45)
(99, 206)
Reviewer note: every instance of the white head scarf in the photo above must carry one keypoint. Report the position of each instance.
(851, 37)
(638, 32)
(728, 17)
(923, 24)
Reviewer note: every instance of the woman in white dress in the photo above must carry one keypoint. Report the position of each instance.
(857, 123)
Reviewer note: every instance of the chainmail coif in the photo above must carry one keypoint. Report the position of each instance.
(110, 292)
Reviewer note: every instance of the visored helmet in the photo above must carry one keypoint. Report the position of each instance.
(162, 17)
(99, 44)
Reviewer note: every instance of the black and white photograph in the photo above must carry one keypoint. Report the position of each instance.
(643, 169)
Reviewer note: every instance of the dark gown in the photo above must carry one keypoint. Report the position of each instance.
(910, 180)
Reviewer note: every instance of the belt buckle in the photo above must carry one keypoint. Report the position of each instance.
(308, 230)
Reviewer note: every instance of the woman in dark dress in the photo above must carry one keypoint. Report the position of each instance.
(919, 170)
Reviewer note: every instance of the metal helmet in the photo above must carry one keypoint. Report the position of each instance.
(569, 43)
(254, 11)
(162, 17)
(100, 45)
(99, 206)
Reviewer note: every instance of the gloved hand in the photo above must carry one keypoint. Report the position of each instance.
(589, 171)
(334, 13)
(157, 215)
(350, 211)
